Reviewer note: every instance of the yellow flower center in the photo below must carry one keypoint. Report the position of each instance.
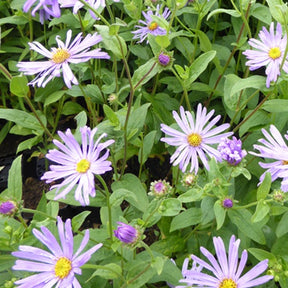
(60, 56)
(152, 26)
(228, 283)
(274, 53)
(63, 267)
(82, 166)
(284, 162)
(194, 139)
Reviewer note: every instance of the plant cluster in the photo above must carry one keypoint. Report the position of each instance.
(168, 118)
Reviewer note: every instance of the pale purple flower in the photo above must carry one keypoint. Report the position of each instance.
(150, 26)
(57, 267)
(46, 8)
(226, 271)
(269, 52)
(59, 58)
(231, 150)
(126, 233)
(195, 139)
(274, 147)
(76, 5)
(8, 207)
(78, 163)
(186, 273)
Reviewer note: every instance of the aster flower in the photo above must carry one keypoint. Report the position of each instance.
(226, 271)
(231, 150)
(78, 163)
(150, 26)
(196, 138)
(160, 188)
(126, 233)
(274, 148)
(187, 273)
(59, 58)
(96, 4)
(57, 267)
(46, 9)
(269, 52)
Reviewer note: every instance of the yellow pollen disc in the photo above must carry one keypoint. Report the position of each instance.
(227, 283)
(194, 139)
(152, 26)
(82, 166)
(60, 56)
(284, 162)
(62, 267)
(274, 53)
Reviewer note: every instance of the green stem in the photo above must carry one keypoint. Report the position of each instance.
(136, 277)
(38, 118)
(229, 59)
(32, 211)
(148, 249)
(108, 205)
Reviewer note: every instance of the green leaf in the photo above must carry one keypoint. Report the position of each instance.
(191, 195)
(191, 216)
(54, 97)
(158, 264)
(79, 219)
(18, 86)
(151, 215)
(111, 115)
(276, 106)
(15, 179)
(131, 183)
(121, 194)
(199, 66)
(71, 108)
(231, 12)
(262, 255)
(262, 209)
(21, 118)
(170, 207)
(282, 227)
(115, 44)
(264, 188)
(242, 219)
(278, 10)
(220, 214)
(108, 271)
(17, 20)
(145, 72)
(147, 146)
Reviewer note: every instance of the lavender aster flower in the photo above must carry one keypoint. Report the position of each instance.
(231, 150)
(46, 8)
(78, 164)
(126, 233)
(226, 271)
(57, 267)
(269, 52)
(195, 139)
(150, 26)
(76, 5)
(8, 207)
(59, 58)
(274, 148)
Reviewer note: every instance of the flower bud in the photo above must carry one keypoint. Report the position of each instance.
(189, 179)
(160, 188)
(8, 207)
(126, 233)
(227, 203)
(164, 59)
